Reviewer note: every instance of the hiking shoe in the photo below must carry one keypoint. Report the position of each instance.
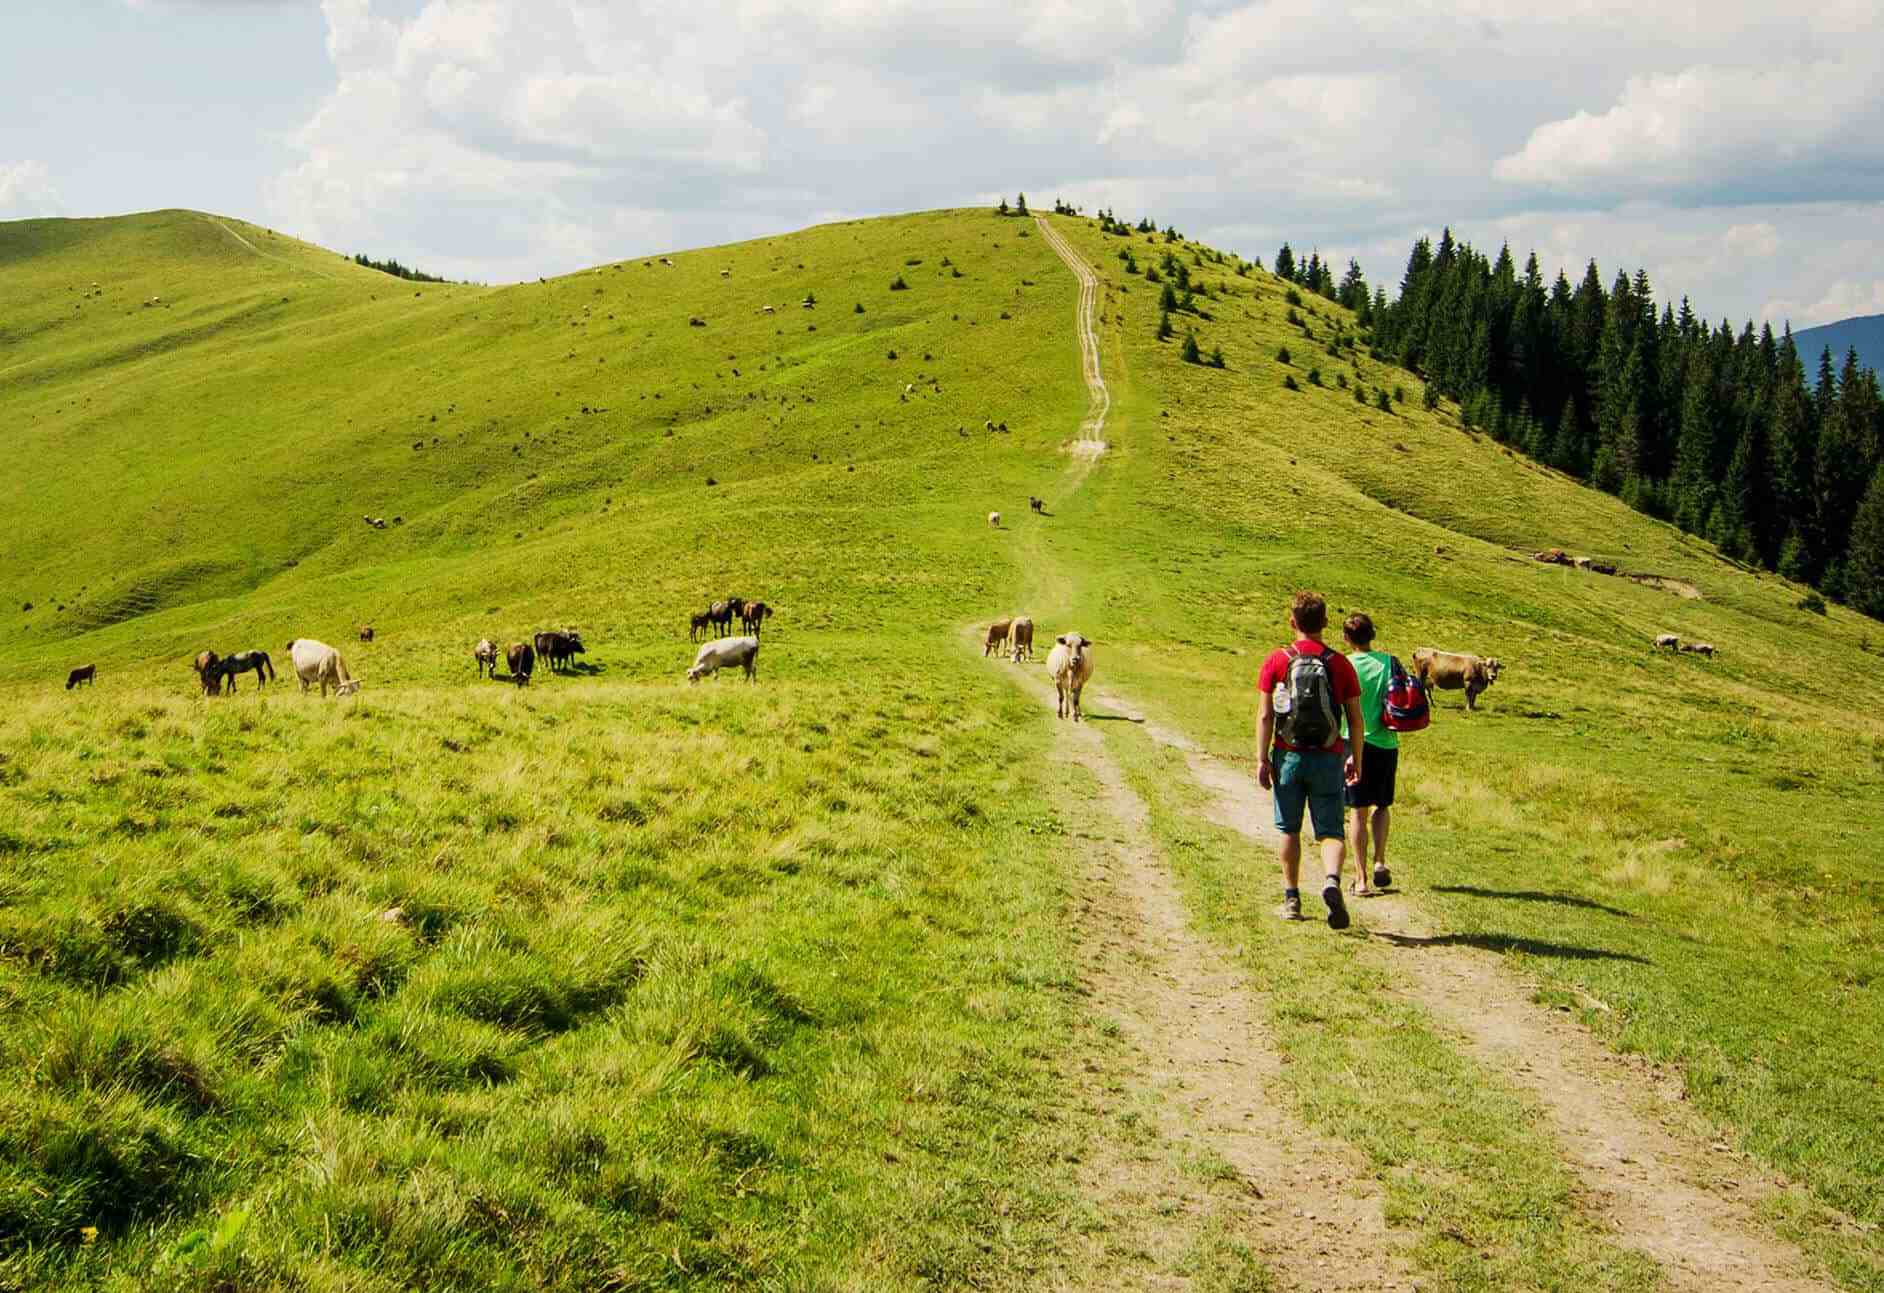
(1291, 908)
(1337, 905)
(1382, 877)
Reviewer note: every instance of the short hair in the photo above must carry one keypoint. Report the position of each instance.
(1310, 612)
(1359, 628)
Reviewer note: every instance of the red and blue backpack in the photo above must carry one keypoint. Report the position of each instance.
(1404, 707)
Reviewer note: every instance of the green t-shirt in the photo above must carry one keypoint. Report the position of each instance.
(1374, 668)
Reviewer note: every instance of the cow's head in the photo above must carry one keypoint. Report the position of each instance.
(1492, 666)
(693, 674)
(349, 687)
(1076, 646)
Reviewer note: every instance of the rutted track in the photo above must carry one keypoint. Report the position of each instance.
(1091, 442)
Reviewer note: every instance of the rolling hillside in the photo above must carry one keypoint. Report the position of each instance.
(613, 982)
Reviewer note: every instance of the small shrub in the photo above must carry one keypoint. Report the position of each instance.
(1165, 330)
(1812, 602)
(1289, 383)
(1431, 399)
(1151, 274)
(858, 308)
(1360, 393)
(1292, 317)
(1292, 296)
(892, 355)
(898, 285)
(913, 261)
(1192, 355)
(1216, 357)
(1399, 395)
(1341, 380)
(1382, 400)
(1314, 377)
(1282, 355)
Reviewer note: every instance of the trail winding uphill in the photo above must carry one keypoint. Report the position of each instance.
(1091, 441)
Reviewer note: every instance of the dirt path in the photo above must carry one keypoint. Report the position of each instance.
(1689, 1206)
(1091, 442)
(266, 255)
(1229, 1153)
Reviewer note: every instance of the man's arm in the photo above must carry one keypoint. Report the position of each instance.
(1357, 739)
(1265, 738)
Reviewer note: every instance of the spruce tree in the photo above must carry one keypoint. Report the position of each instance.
(1020, 205)
(1164, 325)
(1691, 489)
(1285, 264)
(1192, 355)
(1865, 564)
(1794, 448)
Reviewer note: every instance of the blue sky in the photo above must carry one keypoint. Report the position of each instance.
(1735, 151)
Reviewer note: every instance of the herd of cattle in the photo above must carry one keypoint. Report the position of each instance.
(1069, 664)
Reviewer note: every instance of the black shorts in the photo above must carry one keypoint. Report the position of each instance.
(1379, 767)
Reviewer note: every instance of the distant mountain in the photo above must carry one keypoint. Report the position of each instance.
(1865, 332)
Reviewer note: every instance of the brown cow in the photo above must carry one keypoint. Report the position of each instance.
(205, 665)
(997, 637)
(753, 615)
(1022, 636)
(1699, 648)
(366, 632)
(1454, 671)
(521, 657)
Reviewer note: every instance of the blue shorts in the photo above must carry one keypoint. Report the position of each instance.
(1315, 779)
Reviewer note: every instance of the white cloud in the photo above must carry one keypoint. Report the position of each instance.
(26, 190)
(1841, 300)
(1730, 147)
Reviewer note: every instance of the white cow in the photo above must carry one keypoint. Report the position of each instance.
(317, 662)
(1070, 663)
(724, 653)
(994, 519)
(1668, 640)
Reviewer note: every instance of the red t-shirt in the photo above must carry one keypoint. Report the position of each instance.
(1346, 683)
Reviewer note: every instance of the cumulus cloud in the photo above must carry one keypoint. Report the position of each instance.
(505, 138)
(26, 190)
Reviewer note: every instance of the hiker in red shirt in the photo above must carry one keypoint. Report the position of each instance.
(1306, 688)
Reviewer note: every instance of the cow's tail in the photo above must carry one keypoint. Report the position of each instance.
(268, 665)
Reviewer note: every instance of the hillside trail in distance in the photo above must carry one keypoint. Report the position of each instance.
(1202, 1047)
(1690, 1206)
(1198, 1065)
(266, 255)
(1090, 442)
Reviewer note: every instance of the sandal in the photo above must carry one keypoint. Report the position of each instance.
(1360, 890)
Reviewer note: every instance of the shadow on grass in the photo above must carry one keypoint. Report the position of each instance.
(584, 669)
(1508, 943)
(1112, 718)
(1533, 895)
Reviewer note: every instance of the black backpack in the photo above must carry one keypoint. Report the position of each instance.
(1304, 702)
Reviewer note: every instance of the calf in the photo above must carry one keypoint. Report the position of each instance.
(1455, 671)
(1070, 663)
(521, 657)
(997, 637)
(725, 653)
(1023, 638)
(700, 623)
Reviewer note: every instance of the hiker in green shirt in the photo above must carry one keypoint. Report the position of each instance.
(1371, 797)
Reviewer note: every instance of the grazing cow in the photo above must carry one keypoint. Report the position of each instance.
(1668, 640)
(701, 622)
(229, 668)
(205, 662)
(765, 309)
(87, 674)
(485, 654)
(521, 657)
(1552, 557)
(726, 273)
(558, 648)
(366, 632)
(724, 653)
(753, 615)
(1602, 568)
(994, 519)
(317, 662)
(1070, 663)
(1036, 504)
(1581, 563)
(1454, 671)
(1023, 638)
(1699, 648)
(997, 636)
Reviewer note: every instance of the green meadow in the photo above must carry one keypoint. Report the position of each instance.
(614, 982)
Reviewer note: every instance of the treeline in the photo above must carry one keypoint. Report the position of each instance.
(397, 270)
(1723, 433)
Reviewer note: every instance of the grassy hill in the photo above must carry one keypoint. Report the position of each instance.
(696, 987)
